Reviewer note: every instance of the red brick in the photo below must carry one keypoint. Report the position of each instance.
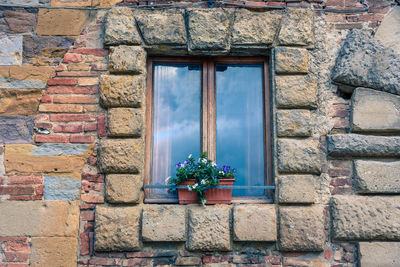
(77, 74)
(29, 179)
(60, 67)
(90, 186)
(273, 259)
(91, 198)
(71, 117)
(84, 250)
(62, 81)
(328, 254)
(88, 127)
(68, 128)
(16, 190)
(46, 99)
(13, 238)
(86, 206)
(72, 58)
(43, 125)
(339, 172)
(61, 108)
(82, 139)
(51, 139)
(76, 99)
(42, 117)
(72, 90)
(17, 246)
(103, 261)
(101, 125)
(17, 265)
(26, 198)
(98, 178)
(87, 215)
(39, 190)
(340, 182)
(93, 51)
(341, 191)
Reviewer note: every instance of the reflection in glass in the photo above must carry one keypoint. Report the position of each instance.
(239, 122)
(176, 118)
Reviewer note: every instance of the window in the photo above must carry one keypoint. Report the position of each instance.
(218, 105)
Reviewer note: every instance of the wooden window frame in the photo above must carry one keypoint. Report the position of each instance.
(208, 118)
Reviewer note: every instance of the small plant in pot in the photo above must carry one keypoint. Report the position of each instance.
(201, 178)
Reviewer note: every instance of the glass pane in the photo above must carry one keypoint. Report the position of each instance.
(240, 124)
(176, 118)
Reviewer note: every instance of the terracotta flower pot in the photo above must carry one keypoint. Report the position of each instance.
(213, 195)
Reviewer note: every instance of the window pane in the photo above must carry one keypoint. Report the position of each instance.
(240, 124)
(176, 118)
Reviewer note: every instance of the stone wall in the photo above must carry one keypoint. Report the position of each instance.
(73, 106)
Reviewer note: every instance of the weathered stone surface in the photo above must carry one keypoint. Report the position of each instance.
(295, 92)
(105, 3)
(61, 188)
(188, 261)
(120, 27)
(164, 223)
(66, 22)
(10, 50)
(208, 30)
(356, 145)
(19, 20)
(379, 254)
(162, 27)
(374, 111)
(255, 28)
(24, 77)
(19, 102)
(71, 3)
(299, 156)
(53, 159)
(121, 91)
(123, 188)
(293, 123)
(365, 62)
(46, 218)
(127, 59)
(297, 27)
(377, 176)
(117, 228)
(125, 122)
(365, 218)
(54, 251)
(301, 228)
(46, 46)
(291, 60)
(121, 155)
(296, 189)
(209, 228)
(254, 223)
(388, 32)
(16, 129)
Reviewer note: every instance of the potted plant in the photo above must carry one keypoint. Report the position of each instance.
(201, 178)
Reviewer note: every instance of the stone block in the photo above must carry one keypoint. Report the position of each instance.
(301, 228)
(374, 112)
(299, 156)
(24, 77)
(46, 46)
(209, 228)
(365, 218)
(10, 50)
(127, 59)
(295, 91)
(52, 159)
(291, 60)
(19, 102)
(388, 32)
(125, 122)
(297, 27)
(374, 254)
(56, 218)
(121, 91)
(19, 20)
(365, 62)
(377, 176)
(61, 188)
(254, 223)
(71, 3)
(255, 28)
(120, 27)
(105, 3)
(163, 27)
(123, 188)
(121, 155)
(209, 30)
(293, 123)
(54, 251)
(164, 223)
(16, 129)
(64, 22)
(296, 189)
(355, 145)
(117, 228)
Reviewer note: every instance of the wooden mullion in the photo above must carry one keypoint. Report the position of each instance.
(211, 112)
(149, 127)
(267, 130)
(204, 107)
